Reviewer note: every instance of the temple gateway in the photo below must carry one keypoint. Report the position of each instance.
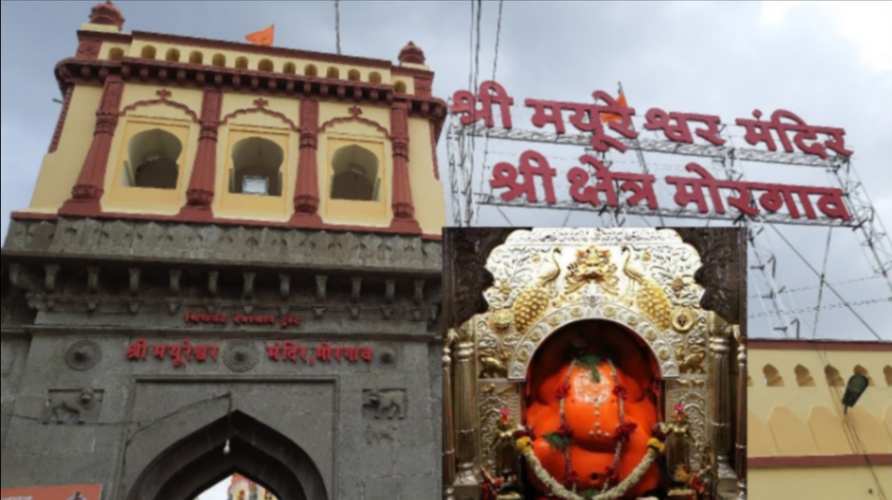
(230, 263)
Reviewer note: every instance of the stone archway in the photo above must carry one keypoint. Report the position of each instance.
(256, 451)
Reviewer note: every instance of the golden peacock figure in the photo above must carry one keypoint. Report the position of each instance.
(649, 296)
(534, 300)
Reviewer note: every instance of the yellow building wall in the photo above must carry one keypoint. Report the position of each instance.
(59, 170)
(427, 190)
(803, 403)
(818, 483)
(118, 196)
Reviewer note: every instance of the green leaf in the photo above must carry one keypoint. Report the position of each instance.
(591, 361)
(589, 493)
(558, 441)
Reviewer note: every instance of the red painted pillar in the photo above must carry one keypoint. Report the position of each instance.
(87, 191)
(200, 193)
(306, 189)
(403, 209)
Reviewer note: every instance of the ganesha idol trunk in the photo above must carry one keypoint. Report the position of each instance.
(592, 373)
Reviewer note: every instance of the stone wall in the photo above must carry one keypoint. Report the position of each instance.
(79, 293)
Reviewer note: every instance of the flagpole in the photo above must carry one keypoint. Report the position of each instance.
(338, 25)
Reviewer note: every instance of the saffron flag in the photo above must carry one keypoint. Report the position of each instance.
(262, 37)
(612, 117)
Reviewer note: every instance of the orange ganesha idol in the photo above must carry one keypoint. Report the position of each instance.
(590, 411)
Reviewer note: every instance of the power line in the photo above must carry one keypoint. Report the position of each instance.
(829, 286)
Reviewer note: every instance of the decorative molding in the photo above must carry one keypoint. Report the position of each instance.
(260, 107)
(60, 124)
(824, 345)
(200, 244)
(249, 223)
(163, 99)
(94, 72)
(355, 113)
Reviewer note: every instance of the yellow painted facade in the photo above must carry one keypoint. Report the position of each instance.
(241, 118)
(60, 169)
(795, 415)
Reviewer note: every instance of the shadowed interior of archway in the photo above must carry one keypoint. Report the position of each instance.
(260, 453)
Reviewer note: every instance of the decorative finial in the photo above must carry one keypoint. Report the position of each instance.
(411, 53)
(106, 13)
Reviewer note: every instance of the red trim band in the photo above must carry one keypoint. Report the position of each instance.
(826, 345)
(806, 461)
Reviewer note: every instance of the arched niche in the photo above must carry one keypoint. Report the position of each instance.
(196, 57)
(152, 160)
(791, 435)
(173, 55)
(773, 378)
(241, 62)
(289, 68)
(219, 60)
(375, 78)
(860, 370)
(834, 379)
(803, 377)
(353, 75)
(148, 52)
(116, 54)
(332, 73)
(257, 451)
(310, 70)
(256, 167)
(887, 372)
(355, 174)
(827, 432)
(265, 65)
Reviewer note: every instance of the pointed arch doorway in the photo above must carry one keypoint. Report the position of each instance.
(257, 451)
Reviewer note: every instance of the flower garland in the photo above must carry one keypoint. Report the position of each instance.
(561, 440)
(654, 448)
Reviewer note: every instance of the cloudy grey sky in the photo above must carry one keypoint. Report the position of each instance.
(829, 62)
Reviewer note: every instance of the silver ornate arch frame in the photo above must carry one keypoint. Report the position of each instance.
(547, 279)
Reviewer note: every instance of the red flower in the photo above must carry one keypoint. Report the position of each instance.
(562, 390)
(620, 392)
(624, 430)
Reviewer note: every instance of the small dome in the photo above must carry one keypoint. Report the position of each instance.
(411, 53)
(106, 13)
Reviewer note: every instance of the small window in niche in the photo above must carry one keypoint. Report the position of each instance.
(310, 70)
(375, 77)
(834, 379)
(173, 55)
(803, 377)
(116, 54)
(265, 65)
(196, 57)
(219, 60)
(355, 174)
(333, 73)
(256, 166)
(353, 75)
(773, 377)
(152, 160)
(148, 52)
(289, 68)
(241, 63)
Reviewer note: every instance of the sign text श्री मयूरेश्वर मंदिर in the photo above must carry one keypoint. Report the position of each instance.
(606, 111)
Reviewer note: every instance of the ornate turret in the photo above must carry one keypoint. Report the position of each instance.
(106, 13)
(411, 54)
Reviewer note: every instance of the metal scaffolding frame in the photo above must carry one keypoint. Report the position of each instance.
(865, 221)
